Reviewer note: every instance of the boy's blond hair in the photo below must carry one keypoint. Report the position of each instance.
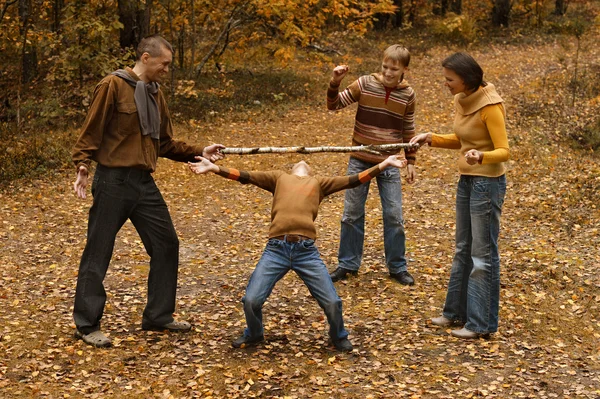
(397, 53)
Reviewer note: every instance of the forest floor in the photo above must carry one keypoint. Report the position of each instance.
(548, 343)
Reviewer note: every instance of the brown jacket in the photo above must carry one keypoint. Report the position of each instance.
(111, 134)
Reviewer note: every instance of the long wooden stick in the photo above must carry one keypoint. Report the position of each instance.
(373, 149)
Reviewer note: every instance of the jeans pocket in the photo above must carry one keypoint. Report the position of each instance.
(480, 197)
(273, 243)
(481, 186)
(308, 244)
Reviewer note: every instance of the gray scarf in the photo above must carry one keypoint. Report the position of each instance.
(148, 112)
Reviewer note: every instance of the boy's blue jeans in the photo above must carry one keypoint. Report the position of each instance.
(474, 289)
(352, 234)
(303, 257)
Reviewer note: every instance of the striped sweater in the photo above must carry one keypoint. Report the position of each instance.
(384, 116)
(296, 199)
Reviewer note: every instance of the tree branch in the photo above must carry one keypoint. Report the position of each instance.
(230, 25)
(372, 149)
(6, 5)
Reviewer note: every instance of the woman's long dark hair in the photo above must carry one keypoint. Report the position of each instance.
(467, 68)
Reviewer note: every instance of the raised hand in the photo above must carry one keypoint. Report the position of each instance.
(339, 73)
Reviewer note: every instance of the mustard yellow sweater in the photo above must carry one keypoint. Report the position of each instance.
(479, 124)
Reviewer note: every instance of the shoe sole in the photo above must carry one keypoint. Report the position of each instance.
(247, 344)
(477, 336)
(153, 328)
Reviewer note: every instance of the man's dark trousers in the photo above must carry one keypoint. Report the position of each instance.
(121, 194)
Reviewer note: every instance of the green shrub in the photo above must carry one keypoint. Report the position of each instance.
(588, 137)
(456, 28)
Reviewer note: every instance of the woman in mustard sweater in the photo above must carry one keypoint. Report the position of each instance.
(473, 293)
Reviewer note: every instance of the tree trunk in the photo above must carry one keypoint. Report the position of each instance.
(560, 7)
(395, 20)
(412, 12)
(501, 13)
(399, 15)
(57, 7)
(193, 41)
(135, 17)
(29, 55)
(440, 8)
(456, 6)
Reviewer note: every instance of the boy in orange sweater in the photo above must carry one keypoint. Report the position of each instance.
(292, 235)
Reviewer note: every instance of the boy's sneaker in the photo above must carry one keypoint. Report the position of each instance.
(343, 345)
(245, 342)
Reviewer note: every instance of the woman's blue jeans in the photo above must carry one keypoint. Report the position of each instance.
(474, 289)
(352, 234)
(303, 257)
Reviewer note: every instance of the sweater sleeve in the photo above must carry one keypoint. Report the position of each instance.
(337, 100)
(408, 130)
(493, 117)
(450, 141)
(330, 185)
(265, 180)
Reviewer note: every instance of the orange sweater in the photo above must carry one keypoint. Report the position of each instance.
(296, 199)
(478, 124)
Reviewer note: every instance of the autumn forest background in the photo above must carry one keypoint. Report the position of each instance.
(255, 73)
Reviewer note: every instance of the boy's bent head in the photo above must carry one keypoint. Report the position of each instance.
(397, 53)
(301, 169)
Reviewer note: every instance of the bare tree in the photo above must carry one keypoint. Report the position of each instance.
(501, 13)
(560, 7)
(135, 17)
(29, 55)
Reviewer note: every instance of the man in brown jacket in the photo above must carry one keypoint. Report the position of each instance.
(127, 128)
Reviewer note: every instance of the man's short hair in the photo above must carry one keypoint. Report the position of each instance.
(152, 45)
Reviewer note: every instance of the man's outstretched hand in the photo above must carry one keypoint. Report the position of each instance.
(81, 183)
(202, 166)
(213, 152)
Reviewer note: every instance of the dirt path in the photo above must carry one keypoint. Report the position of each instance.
(549, 339)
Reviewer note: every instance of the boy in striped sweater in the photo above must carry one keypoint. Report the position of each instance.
(385, 115)
(292, 235)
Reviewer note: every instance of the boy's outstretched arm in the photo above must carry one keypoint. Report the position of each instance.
(330, 185)
(264, 180)
(392, 160)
